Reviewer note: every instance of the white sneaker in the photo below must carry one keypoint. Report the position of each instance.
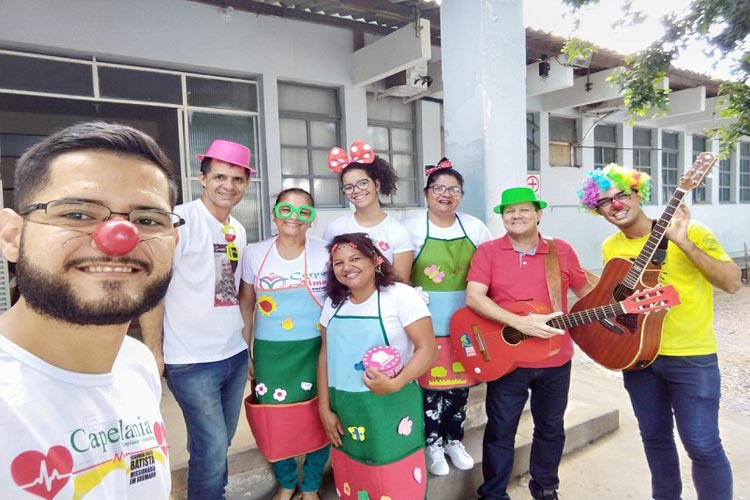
(436, 463)
(458, 455)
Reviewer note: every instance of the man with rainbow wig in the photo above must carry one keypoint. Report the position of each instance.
(682, 385)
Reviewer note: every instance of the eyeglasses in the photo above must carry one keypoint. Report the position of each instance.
(230, 234)
(361, 184)
(285, 210)
(607, 202)
(439, 189)
(86, 216)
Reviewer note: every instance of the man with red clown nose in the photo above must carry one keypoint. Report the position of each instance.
(93, 239)
(197, 335)
(682, 385)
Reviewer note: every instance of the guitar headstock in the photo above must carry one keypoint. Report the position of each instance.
(692, 177)
(651, 300)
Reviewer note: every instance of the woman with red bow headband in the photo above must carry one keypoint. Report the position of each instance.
(364, 176)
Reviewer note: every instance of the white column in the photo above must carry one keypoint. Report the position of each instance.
(484, 71)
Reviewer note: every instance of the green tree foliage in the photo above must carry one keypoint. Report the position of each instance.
(725, 26)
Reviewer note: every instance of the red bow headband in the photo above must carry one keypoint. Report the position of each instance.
(361, 153)
(444, 163)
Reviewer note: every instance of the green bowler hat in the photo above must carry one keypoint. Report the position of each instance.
(518, 195)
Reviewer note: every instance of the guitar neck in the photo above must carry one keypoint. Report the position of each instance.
(652, 244)
(587, 316)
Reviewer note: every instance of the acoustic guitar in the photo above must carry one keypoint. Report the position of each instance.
(630, 342)
(489, 350)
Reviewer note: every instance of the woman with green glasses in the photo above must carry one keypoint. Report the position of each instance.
(282, 292)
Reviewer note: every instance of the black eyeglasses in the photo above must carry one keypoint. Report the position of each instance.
(86, 216)
(607, 202)
(439, 189)
(361, 184)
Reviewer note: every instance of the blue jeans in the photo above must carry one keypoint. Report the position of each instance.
(688, 387)
(210, 396)
(312, 470)
(506, 398)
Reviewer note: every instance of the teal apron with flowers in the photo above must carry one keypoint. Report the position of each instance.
(382, 454)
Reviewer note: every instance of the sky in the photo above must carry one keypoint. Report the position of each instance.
(596, 26)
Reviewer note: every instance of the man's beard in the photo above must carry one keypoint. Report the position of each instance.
(54, 297)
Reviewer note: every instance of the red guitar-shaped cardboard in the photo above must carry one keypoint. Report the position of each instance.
(489, 350)
(633, 342)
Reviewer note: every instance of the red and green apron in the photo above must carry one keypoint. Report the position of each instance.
(382, 455)
(283, 409)
(440, 268)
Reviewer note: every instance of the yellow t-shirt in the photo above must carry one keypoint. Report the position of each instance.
(688, 328)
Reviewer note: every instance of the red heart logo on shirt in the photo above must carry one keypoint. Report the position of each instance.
(160, 433)
(43, 475)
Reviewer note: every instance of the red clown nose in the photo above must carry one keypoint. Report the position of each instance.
(116, 237)
(616, 205)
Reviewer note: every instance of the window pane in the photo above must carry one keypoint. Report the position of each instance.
(402, 139)
(323, 134)
(605, 133)
(389, 109)
(562, 129)
(669, 140)
(699, 144)
(320, 163)
(378, 139)
(327, 193)
(405, 194)
(140, 85)
(293, 132)
(294, 162)
(306, 99)
(224, 94)
(404, 165)
(296, 182)
(34, 74)
(642, 137)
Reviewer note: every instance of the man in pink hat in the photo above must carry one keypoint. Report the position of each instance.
(196, 336)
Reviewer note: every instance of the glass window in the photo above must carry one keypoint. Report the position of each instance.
(562, 136)
(701, 193)
(605, 145)
(223, 94)
(309, 125)
(670, 173)
(744, 173)
(36, 74)
(131, 84)
(726, 184)
(643, 155)
(532, 142)
(391, 130)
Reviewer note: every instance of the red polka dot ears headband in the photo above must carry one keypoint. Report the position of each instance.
(444, 163)
(360, 151)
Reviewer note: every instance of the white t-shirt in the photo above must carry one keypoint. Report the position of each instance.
(202, 320)
(400, 305)
(417, 228)
(279, 272)
(389, 236)
(74, 435)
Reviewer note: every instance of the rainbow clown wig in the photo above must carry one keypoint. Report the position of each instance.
(613, 175)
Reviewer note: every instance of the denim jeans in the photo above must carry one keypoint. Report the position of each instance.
(688, 387)
(210, 396)
(506, 398)
(312, 470)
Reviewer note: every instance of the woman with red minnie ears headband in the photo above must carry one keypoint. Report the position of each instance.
(364, 175)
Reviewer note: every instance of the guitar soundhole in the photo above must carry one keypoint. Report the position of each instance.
(622, 292)
(629, 321)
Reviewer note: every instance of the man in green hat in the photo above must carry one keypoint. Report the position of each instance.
(503, 271)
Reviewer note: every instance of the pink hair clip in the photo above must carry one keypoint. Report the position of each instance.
(360, 152)
(444, 163)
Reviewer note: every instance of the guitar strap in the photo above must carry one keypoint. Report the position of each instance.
(552, 271)
(661, 251)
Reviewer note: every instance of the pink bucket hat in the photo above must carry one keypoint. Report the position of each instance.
(229, 152)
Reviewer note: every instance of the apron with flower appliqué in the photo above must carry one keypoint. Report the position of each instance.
(283, 408)
(440, 269)
(382, 455)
